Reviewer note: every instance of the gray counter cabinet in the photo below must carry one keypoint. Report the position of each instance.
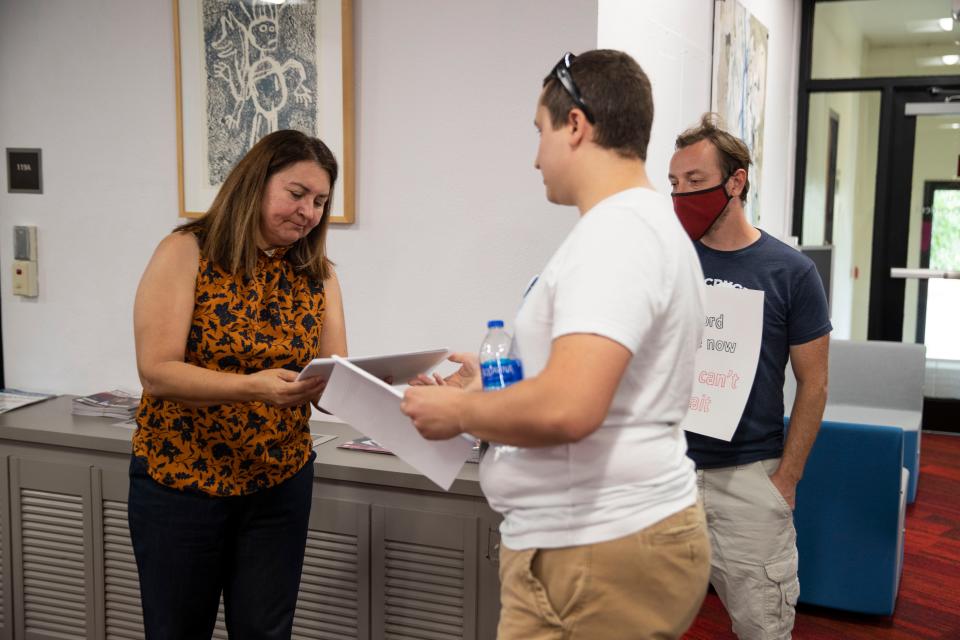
(388, 555)
(52, 542)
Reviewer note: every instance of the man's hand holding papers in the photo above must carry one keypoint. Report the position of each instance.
(373, 407)
(434, 411)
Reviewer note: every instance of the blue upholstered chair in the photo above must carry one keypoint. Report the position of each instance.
(849, 518)
(878, 383)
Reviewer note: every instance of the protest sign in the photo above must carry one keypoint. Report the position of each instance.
(726, 361)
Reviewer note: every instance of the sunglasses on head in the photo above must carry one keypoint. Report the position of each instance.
(561, 71)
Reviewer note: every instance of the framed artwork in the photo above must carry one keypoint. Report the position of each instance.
(246, 68)
(740, 83)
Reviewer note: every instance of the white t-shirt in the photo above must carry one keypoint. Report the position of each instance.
(627, 272)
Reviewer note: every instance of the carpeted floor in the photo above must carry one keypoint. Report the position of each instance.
(928, 605)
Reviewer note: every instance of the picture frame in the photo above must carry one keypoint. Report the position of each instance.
(24, 174)
(245, 68)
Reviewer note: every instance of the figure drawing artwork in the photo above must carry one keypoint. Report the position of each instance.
(261, 75)
(740, 83)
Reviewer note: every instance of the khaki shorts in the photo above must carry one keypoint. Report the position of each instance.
(753, 549)
(646, 585)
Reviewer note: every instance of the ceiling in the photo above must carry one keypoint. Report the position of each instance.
(893, 22)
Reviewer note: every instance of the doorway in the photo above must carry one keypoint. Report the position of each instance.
(889, 71)
(938, 301)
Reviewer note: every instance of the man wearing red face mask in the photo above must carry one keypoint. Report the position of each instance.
(748, 485)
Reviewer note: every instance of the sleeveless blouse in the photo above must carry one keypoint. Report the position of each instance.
(241, 324)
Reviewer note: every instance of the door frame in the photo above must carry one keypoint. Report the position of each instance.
(929, 188)
(833, 143)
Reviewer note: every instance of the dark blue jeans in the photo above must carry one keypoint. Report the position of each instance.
(190, 547)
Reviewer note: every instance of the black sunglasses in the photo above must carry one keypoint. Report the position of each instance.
(562, 72)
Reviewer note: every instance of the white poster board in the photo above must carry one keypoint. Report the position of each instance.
(726, 361)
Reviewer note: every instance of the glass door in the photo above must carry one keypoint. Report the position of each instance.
(931, 307)
(838, 204)
(878, 171)
(938, 300)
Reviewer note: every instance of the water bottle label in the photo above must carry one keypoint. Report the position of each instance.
(500, 373)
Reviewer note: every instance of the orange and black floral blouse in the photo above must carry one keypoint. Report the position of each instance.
(242, 325)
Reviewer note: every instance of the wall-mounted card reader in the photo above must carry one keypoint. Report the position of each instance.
(25, 261)
(25, 243)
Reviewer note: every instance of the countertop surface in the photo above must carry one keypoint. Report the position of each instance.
(51, 423)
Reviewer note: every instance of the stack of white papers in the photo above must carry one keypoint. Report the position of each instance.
(373, 407)
(398, 368)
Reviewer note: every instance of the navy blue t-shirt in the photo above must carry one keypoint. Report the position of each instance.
(794, 312)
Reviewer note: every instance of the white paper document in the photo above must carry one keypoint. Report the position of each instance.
(373, 407)
(726, 362)
(320, 438)
(401, 367)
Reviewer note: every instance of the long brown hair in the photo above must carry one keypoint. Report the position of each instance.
(227, 232)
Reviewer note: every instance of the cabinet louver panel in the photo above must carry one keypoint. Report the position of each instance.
(124, 617)
(329, 602)
(54, 573)
(3, 569)
(424, 592)
(327, 606)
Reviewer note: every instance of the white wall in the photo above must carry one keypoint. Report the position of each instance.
(841, 51)
(94, 90)
(452, 218)
(452, 221)
(673, 47)
(673, 43)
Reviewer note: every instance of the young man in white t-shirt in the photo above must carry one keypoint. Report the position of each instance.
(603, 536)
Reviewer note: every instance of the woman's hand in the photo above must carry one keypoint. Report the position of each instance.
(467, 377)
(280, 387)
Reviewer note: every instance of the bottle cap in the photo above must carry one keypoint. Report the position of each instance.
(495, 324)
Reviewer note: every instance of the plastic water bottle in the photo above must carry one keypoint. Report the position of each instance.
(500, 364)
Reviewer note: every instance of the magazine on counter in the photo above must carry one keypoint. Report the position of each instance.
(112, 404)
(372, 446)
(11, 399)
(364, 444)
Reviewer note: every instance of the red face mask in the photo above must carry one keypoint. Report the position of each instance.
(698, 210)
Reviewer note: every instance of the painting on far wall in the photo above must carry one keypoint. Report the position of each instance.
(740, 84)
(261, 76)
(247, 68)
